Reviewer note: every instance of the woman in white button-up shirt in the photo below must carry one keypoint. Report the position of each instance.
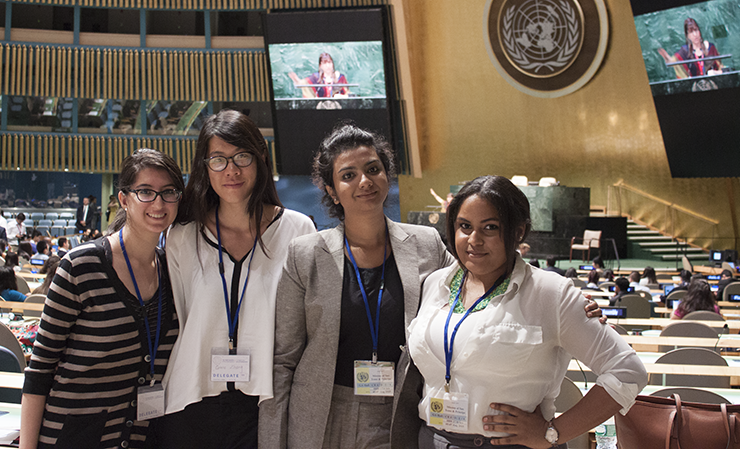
(511, 352)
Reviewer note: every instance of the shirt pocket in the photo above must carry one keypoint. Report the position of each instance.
(508, 347)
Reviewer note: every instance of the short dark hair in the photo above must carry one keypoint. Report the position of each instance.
(635, 276)
(534, 262)
(598, 261)
(685, 276)
(41, 246)
(510, 203)
(36, 233)
(347, 136)
(7, 279)
(21, 216)
(727, 273)
(61, 241)
(550, 260)
(622, 283)
(11, 259)
(571, 273)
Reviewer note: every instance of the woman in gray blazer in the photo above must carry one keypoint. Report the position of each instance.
(322, 326)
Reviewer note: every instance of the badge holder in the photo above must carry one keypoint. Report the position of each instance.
(374, 379)
(227, 367)
(150, 401)
(449, 412)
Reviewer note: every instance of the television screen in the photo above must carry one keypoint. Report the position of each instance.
(714, 277)
(668, 288)
(691, 48)
(691, 51)
(586, 267)
(714, 288)
(734, 298)
(325, 67)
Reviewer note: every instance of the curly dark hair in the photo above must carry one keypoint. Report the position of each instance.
(347, 136)
(510, 203)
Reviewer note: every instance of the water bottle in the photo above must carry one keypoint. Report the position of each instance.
(606, 435)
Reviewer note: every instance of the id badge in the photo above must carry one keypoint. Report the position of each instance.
(374, 379)
(229, 368)
(449, 412)
(149, 402)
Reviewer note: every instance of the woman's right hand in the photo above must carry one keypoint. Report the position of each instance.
(668, 58)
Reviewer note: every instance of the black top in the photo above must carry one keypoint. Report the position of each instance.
(355, 341)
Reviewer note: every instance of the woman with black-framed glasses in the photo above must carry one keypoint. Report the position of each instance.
(108, 324)
(226, 256)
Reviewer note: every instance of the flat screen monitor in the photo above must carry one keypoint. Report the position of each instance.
(714, 288)
(715, 256)
(327, 67)
(586, 267)
(691, 52)
(668, 288)
(614, 312)
(714, 277)
(37, 261)
(734, 298)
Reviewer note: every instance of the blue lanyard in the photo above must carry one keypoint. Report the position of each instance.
(152, 348)
(448, 346)
(232, 323)
(374, 327)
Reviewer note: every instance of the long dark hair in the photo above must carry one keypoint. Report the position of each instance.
(691, 22)
(7, 279)
(698, 297)
(134, 164)
(510, 203)
(236, 129)
(346, 136)
(50, 269)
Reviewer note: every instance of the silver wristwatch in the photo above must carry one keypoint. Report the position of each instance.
(551, 434)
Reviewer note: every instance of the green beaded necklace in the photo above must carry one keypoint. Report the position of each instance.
(455, 287)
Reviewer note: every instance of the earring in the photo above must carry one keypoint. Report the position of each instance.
(336, 200)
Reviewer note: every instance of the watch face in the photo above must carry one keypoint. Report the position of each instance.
(551, 435)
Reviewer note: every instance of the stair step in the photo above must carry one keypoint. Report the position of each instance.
(644, 232)
(636, 226)
(671, 244)
(688, 256)
(664, 238)
(690, 249)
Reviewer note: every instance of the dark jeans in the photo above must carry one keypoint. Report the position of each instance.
(226, 421)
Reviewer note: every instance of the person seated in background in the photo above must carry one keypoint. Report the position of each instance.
(635, 282)
(64, 246)
(550, 262)
(36, 237)
(11, 260)
(9, 285)
(621, 288)
(42, 252)
(593, 281)
(608, 275)
(49, 269)
(3, 246)
(571, 273)
(598, 264)
(649, 277)
(699, 297)
(524, 249)
(724, 279)
(684, 285)
(534, 262)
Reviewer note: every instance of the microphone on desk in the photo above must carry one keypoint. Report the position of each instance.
(726, 329)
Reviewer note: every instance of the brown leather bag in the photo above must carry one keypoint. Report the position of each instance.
(668, 423)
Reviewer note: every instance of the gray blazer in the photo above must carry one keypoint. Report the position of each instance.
(307, 321)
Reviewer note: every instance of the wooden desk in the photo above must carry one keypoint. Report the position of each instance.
(38, 307)
(661, 323)
(665, 368)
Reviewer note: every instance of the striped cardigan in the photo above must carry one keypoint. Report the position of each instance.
(89, 355)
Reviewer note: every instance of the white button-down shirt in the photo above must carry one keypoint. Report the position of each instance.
(516, 351)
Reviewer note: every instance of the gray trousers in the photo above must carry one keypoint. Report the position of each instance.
(358, 422)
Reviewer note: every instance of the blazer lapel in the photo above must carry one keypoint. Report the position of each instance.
(406, 253)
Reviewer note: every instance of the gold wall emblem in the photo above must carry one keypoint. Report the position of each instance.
(546, 48)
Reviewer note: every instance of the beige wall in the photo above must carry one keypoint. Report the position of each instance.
(472, 122)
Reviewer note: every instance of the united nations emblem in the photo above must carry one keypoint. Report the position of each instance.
(362, 377)
(546, 48)
(436, 405)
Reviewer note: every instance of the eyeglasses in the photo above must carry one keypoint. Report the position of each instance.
(219, 163)
(149, 195)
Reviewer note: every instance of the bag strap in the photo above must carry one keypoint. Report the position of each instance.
(670, 431)
(725, 419)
